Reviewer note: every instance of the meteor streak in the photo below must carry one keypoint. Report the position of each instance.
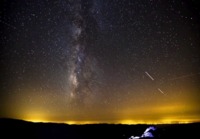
(184, 76)
(161, 91)
(149, 75)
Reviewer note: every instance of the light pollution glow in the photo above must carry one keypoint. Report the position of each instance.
(182, 110)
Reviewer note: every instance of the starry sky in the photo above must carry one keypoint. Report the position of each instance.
(100, 61)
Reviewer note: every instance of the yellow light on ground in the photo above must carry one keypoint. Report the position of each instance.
(36, 116)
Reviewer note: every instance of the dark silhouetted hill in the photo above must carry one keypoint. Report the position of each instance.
(10, 128)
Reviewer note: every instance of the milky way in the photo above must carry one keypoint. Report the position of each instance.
(83, 66)
(100, 60)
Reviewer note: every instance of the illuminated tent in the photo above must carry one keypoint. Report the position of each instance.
(148, 133)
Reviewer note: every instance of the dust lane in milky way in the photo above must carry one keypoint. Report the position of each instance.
(82, 71)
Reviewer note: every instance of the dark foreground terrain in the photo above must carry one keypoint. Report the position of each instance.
(10, 128)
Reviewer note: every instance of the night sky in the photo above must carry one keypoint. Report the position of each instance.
(100, 61)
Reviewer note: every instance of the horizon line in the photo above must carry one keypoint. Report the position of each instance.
(108, 123)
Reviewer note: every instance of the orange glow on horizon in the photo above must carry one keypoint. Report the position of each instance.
(162, 111)
(126, 122)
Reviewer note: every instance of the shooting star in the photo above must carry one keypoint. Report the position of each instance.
(161, 91)
(149, 75)
(184, 76)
